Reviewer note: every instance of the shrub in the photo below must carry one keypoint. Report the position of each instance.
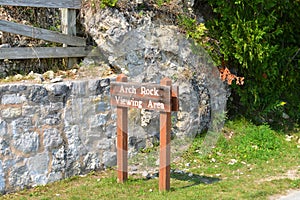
(260, 39)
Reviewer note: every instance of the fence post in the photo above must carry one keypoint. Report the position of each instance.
(68, 25)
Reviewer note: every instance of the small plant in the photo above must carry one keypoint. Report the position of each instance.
(161, 2)
(108, 3)
(194, 30)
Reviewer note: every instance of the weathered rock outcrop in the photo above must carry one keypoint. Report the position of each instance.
(145, 46)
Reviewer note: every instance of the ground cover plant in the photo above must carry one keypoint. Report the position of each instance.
(248, 162)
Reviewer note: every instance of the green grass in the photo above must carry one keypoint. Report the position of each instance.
(254, 163)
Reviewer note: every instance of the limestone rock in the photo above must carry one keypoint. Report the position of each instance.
(146, 50)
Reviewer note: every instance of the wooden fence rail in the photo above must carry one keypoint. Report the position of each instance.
(43, 52)
(72, 4)
(39, 33)
(72, 46)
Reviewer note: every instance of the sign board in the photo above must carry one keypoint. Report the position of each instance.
(141, 96)
(160, 97)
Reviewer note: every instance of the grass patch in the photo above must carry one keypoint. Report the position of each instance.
(249, 162)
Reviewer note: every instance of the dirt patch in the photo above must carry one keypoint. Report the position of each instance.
(292, 174)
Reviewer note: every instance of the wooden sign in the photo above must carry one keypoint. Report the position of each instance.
(160, 97)
(141, 96)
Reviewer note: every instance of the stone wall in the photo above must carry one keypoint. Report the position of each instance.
(53, 131)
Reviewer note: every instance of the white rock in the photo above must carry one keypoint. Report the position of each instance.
(145, 174)
(285, 116)
(232, 162)
(56, 80)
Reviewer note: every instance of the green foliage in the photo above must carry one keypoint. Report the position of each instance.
(261, 40)
(161, 2)
(199, 33)
(252, 142)
(194, 30)
(108, 3)
(243, 141)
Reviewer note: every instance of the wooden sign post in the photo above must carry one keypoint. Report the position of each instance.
(160, 97)
(122, 138)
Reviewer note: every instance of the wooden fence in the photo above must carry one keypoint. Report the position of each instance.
(73, 46)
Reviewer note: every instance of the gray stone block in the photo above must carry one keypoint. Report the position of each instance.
(52, 138)
(79, 88)
(2, 179)
(38, 94)
(31, 110)
(13, 99)
(4, 147)
(38, 168)
(109, 159)
(11, 112)
(19, 177)
(58, 164)
(99, 120)
(26, 142)
(3, 128)
(91, 162)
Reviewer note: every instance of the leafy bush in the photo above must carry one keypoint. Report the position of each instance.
(260, 39)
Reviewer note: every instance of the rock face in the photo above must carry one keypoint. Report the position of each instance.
(146, 47)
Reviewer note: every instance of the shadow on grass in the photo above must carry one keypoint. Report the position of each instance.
(194, 179)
